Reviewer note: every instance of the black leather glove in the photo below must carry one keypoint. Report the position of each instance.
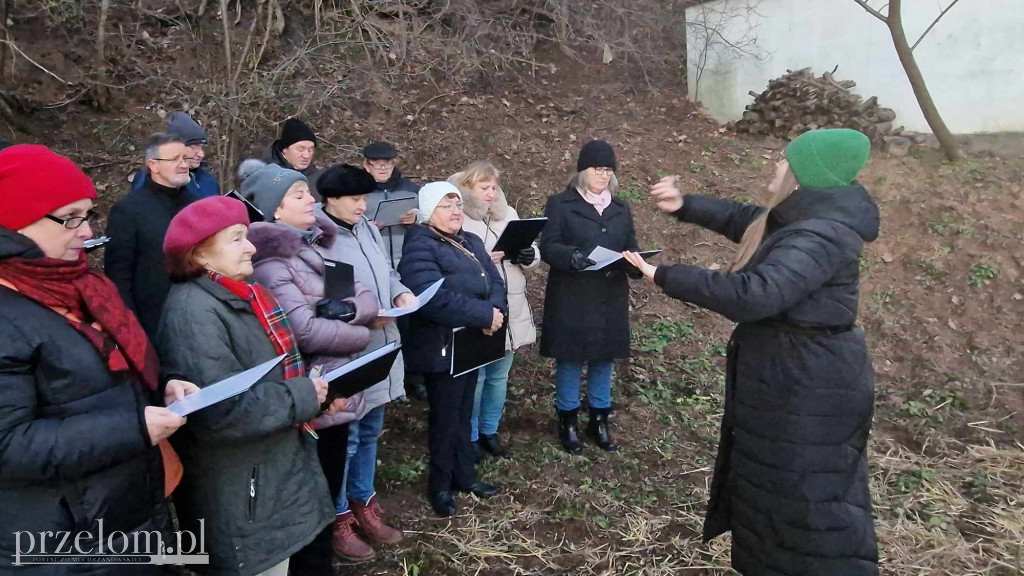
(578, 261)
(336, 310)
(524, 257)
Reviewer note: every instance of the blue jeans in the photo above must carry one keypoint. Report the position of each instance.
(361, 464)
(567, 384)
(489, 398)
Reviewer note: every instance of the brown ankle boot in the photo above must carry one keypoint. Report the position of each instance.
(347, 546)
(368, 518)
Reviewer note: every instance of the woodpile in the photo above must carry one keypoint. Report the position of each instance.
(801, 101)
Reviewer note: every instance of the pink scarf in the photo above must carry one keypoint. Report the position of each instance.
(598, 201)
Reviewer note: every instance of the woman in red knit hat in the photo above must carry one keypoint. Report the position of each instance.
(82, 422)
(251, 466)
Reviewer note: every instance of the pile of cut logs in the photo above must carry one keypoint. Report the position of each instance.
(801, 101)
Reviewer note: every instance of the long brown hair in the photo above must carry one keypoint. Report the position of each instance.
(754, 234)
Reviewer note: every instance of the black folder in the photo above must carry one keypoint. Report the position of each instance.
(472, 349)
(361, 378)
(519, 234)
(339, 280)
(255, 215)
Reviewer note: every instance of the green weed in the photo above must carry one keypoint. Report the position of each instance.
(980, 274)
(664, 332)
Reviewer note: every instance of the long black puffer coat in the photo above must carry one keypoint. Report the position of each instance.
(586, 314)
(791, 477)
(74, 448)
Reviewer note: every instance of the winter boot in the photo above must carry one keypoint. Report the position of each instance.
(569, 432)
(347, 546)
(597, 429)
(368, 519)
(491, 445)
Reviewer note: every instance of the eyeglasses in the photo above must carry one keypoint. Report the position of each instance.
(74, 221)
(178, 160)
(458, 205)
(380, 164)
(602, 170)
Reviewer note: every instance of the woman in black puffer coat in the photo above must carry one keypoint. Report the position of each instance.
(81, 416)
(791, 477)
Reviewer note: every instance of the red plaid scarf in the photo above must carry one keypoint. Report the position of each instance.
(90, 303)
(272, 318)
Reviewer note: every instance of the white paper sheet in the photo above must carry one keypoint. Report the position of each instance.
(602, 257)
(420, 301)
(226, 388)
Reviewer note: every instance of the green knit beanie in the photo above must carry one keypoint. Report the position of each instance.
(828, 158)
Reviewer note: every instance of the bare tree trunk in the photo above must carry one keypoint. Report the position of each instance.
(894, 21)
(101, 33)
(3, 45)
(228, 162)
(924, 97)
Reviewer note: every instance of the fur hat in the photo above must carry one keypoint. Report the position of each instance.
(345, 180)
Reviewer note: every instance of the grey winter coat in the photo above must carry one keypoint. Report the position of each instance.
(396, 187)
(363, 248)
(250, 471)
(293, 270)
(791, 477)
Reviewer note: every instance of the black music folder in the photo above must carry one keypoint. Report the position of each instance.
(339, 280)
(361, 373)
(255, 215)
(519, 234)
(472, 349)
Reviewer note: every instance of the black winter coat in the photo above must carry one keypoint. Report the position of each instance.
(472, 289)
(74, 448)
(134, 259)
(791, 477)
(586, 314)
(249, 470)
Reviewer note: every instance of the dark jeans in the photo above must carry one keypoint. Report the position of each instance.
(317, 558)
(451, 412)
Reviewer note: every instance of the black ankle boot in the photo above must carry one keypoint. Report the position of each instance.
(597, 429)
(491, 445)
(569, 432)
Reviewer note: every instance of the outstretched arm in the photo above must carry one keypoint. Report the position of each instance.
(725, 217)
(796, 266)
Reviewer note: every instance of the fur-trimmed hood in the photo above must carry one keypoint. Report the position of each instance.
(478, 210)
(276, 240)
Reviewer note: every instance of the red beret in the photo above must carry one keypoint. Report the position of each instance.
(200, 220)
(35, 181)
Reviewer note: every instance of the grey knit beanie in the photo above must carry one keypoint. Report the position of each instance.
(266, 185)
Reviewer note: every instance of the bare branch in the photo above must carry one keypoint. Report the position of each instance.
(872, 11)
(36, 64)
(934, 22)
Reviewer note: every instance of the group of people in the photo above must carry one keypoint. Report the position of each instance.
(280, 478)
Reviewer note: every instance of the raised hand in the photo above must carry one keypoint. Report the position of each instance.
(667, 195)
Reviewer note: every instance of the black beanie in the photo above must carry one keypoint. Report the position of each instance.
(294, 130)
(345, 180)
(595, 154)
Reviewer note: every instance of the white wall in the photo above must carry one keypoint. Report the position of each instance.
(972, 61)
